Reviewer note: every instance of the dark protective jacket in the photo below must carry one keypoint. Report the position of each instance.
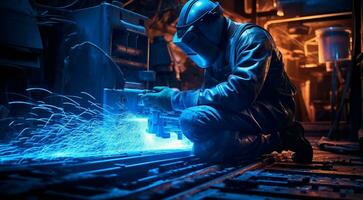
(253, 71)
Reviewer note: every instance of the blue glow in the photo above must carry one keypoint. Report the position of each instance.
(88, 133)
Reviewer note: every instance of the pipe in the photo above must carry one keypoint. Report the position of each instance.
(305, 18)
(254, 11)
(355, 102)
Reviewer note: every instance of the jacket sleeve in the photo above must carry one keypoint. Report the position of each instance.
(252, 59)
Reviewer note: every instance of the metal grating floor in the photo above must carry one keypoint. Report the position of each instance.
(179, 175)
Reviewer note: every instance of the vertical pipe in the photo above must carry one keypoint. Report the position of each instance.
(356, 84)
(254, 12)
(333, 98)
(148, 60)
(148, 54)
(334, 89)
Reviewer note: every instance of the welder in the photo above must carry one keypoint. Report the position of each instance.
(246, 106)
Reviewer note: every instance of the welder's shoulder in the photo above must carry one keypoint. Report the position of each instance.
(254, 36)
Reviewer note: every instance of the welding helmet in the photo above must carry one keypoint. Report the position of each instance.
(198, 31)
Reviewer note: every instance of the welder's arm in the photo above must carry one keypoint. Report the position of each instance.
(252, 60)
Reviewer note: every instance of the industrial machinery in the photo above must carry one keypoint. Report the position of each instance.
(113, 43)
(20, 39)
(20, 52)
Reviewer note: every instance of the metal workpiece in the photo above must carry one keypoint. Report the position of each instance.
(162, 124)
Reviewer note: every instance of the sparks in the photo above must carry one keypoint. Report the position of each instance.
(90, 133)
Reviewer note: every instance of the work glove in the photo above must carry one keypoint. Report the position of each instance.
(160, 99)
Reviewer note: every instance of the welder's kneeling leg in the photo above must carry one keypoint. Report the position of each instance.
(217, 134)
(201, 123)
(197, 123)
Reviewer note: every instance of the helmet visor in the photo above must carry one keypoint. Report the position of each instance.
(198, 48)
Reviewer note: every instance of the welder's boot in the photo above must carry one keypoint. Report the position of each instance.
(252, 146)
(293, 139)
(232, 145)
